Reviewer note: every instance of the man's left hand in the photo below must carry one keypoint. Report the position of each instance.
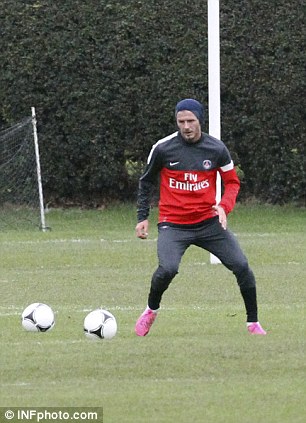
(222, 216)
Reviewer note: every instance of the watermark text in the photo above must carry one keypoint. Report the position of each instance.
(51, 414)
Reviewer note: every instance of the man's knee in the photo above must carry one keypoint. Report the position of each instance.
(162, 277)
(244, 274)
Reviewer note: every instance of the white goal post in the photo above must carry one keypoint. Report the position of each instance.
(38, 169)
(214, 109)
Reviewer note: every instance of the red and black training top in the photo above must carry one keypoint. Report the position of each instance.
(188, 173)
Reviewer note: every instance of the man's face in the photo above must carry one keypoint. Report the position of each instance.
(189, 126)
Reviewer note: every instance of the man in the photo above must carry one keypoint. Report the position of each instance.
(187, 163)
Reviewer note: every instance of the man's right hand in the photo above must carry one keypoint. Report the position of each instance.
(142, 229)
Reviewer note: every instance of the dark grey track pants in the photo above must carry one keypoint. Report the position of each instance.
(173, 241)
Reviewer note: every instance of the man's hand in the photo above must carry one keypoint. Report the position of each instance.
(142, 229)
(222, 216)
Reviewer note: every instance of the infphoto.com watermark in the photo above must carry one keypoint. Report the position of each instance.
(51, 414)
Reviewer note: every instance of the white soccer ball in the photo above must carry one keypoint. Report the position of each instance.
(100, 324)
(37, 317)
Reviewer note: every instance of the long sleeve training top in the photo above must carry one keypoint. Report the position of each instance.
(187, 173)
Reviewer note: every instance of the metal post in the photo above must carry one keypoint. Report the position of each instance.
(40, 191)
(214, 109)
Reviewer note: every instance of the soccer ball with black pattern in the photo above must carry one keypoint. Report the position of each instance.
(100, 324)
(37, 317)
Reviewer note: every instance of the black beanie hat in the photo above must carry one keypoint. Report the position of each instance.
(193, 106)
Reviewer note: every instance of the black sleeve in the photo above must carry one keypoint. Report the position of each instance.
(145, 191)
(225, 157)
(147, 183)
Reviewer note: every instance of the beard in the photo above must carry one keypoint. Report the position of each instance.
(191, 137)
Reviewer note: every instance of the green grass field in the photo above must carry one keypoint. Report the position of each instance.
(198, 364)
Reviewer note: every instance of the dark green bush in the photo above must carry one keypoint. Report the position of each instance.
(104, 78)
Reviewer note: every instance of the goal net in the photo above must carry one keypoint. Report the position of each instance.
(21, 202)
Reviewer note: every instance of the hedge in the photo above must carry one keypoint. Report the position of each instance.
(105, 76)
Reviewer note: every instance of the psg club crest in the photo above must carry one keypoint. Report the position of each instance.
(207, 164)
